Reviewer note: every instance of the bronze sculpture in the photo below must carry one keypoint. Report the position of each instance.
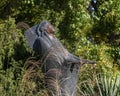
(60, 67)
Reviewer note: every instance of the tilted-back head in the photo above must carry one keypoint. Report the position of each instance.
(38, 37)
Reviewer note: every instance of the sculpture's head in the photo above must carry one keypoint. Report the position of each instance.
(46, 26)
(39, 36)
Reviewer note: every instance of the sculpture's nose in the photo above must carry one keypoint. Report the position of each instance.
(50, 29)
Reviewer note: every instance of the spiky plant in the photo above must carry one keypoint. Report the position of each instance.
(103, 85)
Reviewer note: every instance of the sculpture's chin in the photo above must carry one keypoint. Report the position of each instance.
(51, 37)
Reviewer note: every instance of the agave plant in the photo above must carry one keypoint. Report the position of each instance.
(104, 85)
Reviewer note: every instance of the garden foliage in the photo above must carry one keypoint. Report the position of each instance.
(91, 35)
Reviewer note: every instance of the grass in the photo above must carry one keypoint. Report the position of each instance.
(31, 83)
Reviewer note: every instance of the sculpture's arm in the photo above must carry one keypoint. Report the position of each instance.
(74, 59)
(70, 58)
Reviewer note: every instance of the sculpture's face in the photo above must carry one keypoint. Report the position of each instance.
(50, 29)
